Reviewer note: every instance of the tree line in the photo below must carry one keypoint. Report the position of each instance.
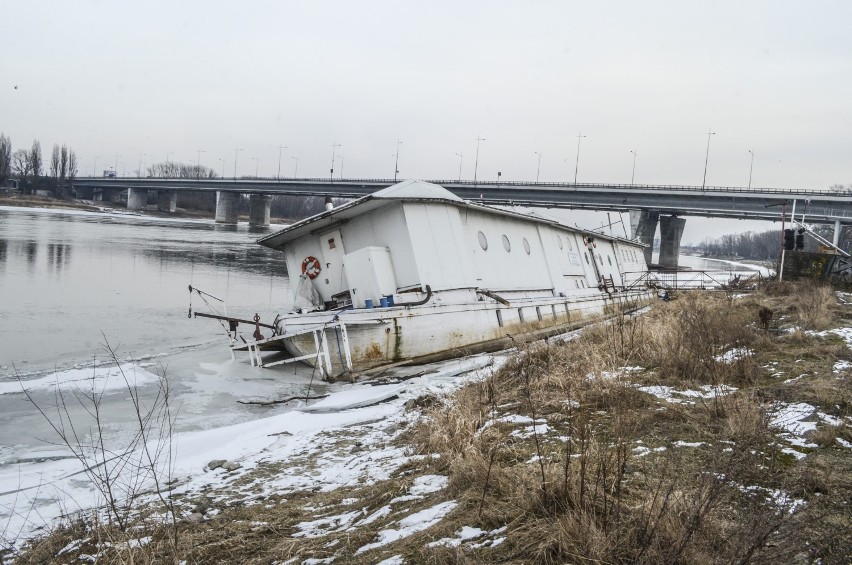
(766, 246)
(28, 168)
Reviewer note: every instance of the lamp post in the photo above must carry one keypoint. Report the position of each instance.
(577, 162)
(280, 147)
(223, 166)
(340, 158)
(461, 158)
(95, 167)
(750, 168)
(633, 174)
(140, 163)
(115, 166)
(256, 165)
(168, 167)
(538, 169)
(396, 161)
(296, 168)
(236, 154)
(706, 158)
(334, 147)
(198, 163)
(476, 162)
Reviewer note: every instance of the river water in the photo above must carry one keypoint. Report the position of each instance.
(70, 282)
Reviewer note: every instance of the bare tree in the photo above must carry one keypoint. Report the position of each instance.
(21, 167)
(63, 162)
(5, 159)
(72, 165)
(54, 169)
(36, 163)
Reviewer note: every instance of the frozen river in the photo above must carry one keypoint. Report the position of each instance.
(71, 281)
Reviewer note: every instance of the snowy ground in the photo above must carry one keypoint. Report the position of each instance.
(315, 439)
(343, 440)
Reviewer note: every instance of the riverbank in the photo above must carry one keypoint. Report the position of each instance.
(713, 428)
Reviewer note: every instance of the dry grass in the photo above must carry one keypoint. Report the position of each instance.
(609, 474)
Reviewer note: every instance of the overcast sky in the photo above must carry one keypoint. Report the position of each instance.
(168, 79)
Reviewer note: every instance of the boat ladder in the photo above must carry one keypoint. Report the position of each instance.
(320, 355)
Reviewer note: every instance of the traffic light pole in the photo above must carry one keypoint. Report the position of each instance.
(783, 217)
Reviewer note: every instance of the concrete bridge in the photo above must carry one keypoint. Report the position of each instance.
(649, 205)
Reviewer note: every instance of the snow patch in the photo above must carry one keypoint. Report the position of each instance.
(411, 524)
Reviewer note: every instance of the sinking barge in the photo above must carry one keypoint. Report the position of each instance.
(413, 273)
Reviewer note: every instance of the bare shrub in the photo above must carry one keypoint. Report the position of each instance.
(124, 476)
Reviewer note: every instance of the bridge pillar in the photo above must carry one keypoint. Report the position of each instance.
(227, 206)
(671, 230)
(837, 227)
(259, 211)
(166, 200)
(84, 193)
(112, 194)
(643, 225)
(137, 198)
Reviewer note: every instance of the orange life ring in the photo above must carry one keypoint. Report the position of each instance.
(311, 267)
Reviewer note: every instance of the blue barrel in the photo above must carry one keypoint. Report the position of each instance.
(383, 302)
(390, 299)
(368, 303)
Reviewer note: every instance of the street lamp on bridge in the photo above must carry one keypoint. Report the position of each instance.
(334, 147)
(256, 165)
(223, 166)
(340, 157)
(280, 147)
(538, 170)
(140, 163)
(633, 174)
(577, 162)
(706, 158)
(296, 168)
(396, 161)
(198, 163)
(750, 168)
(461, 158)
(476, 161)
(236, 154)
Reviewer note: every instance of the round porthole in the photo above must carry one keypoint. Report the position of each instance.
(483, 242)
(559, 241)
(570, 245)
(526, 246)
(506, 244)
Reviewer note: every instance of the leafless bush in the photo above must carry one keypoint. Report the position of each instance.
(127, 475)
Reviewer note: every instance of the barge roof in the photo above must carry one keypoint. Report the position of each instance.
(406, 191)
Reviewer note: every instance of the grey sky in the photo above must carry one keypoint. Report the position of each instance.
(177, 77)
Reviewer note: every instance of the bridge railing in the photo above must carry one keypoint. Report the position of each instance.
(485, 184)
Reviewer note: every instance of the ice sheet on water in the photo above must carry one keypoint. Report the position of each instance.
(357, 396)
(98, 379)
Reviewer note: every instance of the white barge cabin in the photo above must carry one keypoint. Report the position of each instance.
(413, 272)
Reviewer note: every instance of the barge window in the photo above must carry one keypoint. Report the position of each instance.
(570, 245)
(483, 242)
(526, 246)
(609, 259)
(506, 243)
(499, 318)
(559, 241)
(586, 255)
